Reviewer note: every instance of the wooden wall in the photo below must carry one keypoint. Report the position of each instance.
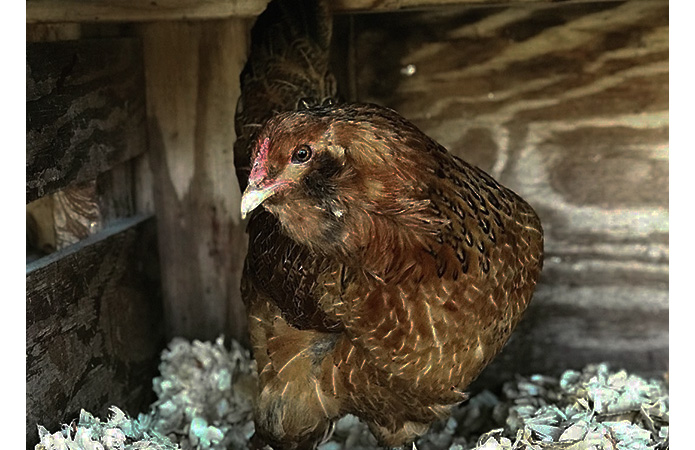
(94, 325)
(568, 106)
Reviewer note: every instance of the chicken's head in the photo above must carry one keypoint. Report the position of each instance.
(299, 174)
(331, 174)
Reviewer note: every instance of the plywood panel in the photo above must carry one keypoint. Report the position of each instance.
(569, 107)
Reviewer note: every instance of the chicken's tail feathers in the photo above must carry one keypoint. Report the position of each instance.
(287, 68)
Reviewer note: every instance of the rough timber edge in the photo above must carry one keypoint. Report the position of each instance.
(91, 11)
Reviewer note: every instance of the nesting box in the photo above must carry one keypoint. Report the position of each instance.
(133, 225)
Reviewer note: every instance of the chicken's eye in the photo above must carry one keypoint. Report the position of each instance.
(301, 154)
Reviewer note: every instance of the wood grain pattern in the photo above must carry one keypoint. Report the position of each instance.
(93, 326)
(192, 71)
(85, 110)
(75, 212)
(568, 106)
(57, 11)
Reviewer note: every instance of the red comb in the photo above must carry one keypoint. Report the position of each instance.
(258, 171)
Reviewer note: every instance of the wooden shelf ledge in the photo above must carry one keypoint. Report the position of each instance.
(80, 11)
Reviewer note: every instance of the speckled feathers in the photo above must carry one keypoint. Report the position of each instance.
(383, 273)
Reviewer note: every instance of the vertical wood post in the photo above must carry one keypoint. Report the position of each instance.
(192, 83)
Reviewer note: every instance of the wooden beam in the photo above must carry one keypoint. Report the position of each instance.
(85, 110)
(93, 328)
(57, 11)
(192, 85)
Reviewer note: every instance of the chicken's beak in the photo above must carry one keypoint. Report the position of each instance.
(254, 195)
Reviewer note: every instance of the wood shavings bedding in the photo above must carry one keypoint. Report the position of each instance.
(205, 403)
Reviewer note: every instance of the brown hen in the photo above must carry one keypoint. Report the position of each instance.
(383, 273)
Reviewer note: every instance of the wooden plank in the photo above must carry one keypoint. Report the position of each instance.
(56, 11)
(569, 107)
(70, 215)
(85, 110)
(192, 84)
(118, 190)
(93, 326)
(51, 32)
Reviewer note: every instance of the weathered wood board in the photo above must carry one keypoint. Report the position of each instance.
(61, 11)
(85, 110)
(94, 328)
(75, 212)
(192, 79)
(568, 106)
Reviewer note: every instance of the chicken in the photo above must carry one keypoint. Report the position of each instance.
(383, 273)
